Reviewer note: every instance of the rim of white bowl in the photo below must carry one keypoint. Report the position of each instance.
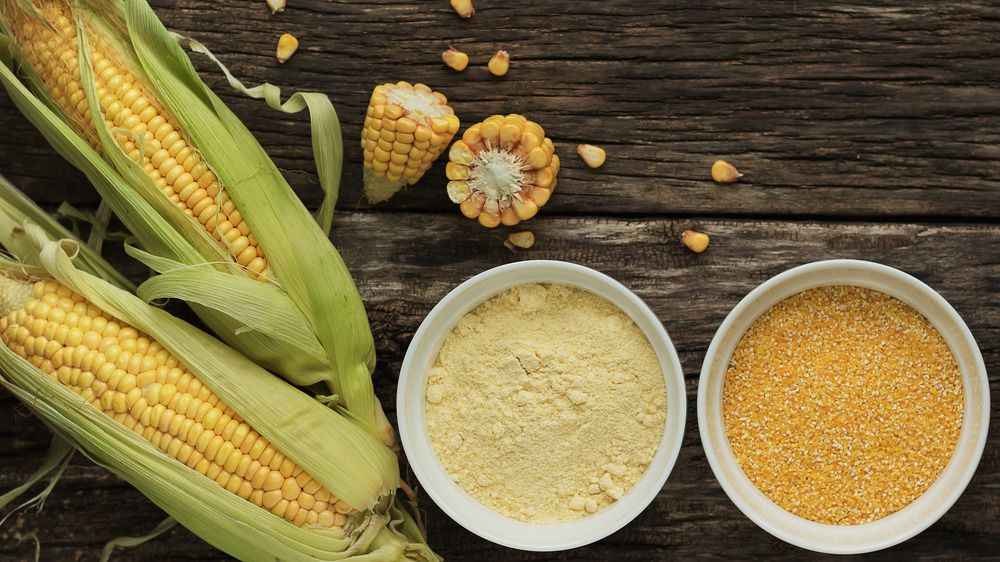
(922, 512)
(457, 503)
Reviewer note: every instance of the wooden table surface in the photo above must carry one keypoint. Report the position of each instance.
(865, 130)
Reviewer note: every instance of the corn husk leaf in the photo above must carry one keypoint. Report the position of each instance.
(17, 208)
(347, 460)
(163, 527)
(306, 265)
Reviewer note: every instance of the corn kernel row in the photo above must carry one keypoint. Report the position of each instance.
(132, 114)
(138, 383)
(406, 128)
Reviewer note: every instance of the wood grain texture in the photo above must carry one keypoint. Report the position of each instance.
(865, 130)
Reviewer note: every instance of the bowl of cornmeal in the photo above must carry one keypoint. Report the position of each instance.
(541, 405)
(843, 406)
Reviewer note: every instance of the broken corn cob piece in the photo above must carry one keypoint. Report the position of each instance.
(502, 170)
(135, 381)
(130, 110)
(406, 129)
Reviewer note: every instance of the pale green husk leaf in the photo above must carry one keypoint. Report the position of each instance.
(347, 460)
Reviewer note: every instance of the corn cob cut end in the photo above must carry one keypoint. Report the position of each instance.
(406, 128)
(502, 170)
(378, 188)
(142, 386)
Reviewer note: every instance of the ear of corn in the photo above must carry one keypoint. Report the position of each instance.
(406, 128)
(502, 170)
(144, 132)
(302, 261)
(214, 500)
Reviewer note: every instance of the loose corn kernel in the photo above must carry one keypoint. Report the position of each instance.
(499, 64)
(592, 155)
(463, 8)
(724, 172)
(520, 239)
(502, 170)
(287, 45)
(276, 6)
(156, 410)
(406, 128)
(696, 241)
(455, 59)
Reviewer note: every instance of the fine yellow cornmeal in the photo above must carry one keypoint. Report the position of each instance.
(842, 404)
(546, 403)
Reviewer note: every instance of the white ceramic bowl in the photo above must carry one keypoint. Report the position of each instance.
(457, 503)
(915, 517)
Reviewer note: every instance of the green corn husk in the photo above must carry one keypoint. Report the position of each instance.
(311, 287)
(349, 461)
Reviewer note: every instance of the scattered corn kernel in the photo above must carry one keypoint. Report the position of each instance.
(276, 6)
(697, 241)
(463, 8)
(724, 172)
(502, 170)
(499, 64)
(455, 59)
(287, 46)
(520, 239)
(592, 155)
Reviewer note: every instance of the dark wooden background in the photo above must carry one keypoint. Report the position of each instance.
(865, 130)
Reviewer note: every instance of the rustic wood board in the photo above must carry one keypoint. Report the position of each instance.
(866, 130)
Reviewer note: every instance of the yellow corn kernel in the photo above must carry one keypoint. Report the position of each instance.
(276, 6)
(696, 241)
(592, 155)
(406, 128)
(504, 170)
(287, 45)
(520, 240)
(463, 8)
(499, 64)
(51, 46)
(724, 172)
(455, 59)
(167, 415)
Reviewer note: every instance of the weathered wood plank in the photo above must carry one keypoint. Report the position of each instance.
(405, 263)
(857, 109)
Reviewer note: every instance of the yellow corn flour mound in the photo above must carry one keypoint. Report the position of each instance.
(546, 403)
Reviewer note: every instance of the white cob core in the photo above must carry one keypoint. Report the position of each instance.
(420, 105)
(496, 173)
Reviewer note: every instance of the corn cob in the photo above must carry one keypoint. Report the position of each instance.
(138, 383)
(141, 127)
(502, 170)
(327, 340)
(406, 128)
